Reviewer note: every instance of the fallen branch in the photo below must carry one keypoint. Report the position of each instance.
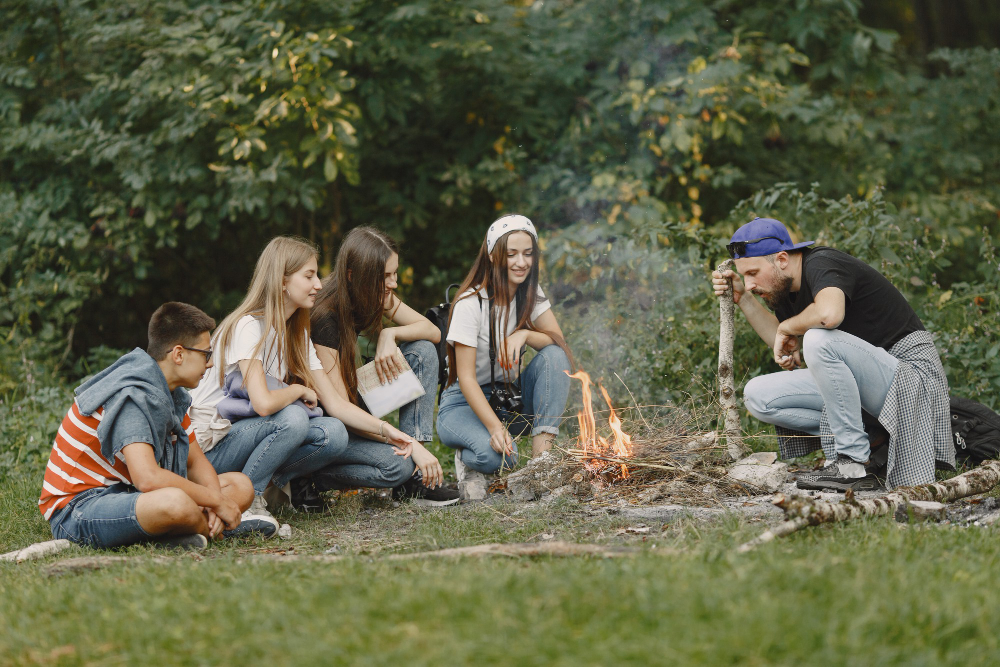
(37, 550)
(727, 384)
(89, 563)
(802, 511)
(519, 549)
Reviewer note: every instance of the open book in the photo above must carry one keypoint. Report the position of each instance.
(382, 399)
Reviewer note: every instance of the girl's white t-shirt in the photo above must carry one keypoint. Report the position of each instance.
(470, 326)
(246, 334)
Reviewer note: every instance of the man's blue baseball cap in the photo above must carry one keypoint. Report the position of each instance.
(761, 237)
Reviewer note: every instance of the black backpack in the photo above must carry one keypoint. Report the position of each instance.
(976, 431)
(438, 315)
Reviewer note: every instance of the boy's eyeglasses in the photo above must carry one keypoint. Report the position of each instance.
(740, 247)
(207, 353)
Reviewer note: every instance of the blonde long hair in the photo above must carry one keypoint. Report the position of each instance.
(282, 257)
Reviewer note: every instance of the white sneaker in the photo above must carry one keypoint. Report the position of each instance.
(256, 520)
(471, 483)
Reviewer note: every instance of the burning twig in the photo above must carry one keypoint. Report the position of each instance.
(593, 445)
(579, 454)
(637, 408)
(805, 511)
(727, 385)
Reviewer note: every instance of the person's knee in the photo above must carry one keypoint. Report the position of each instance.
(237, 487)
(423, 359)
(819, 344)
(555, 359)
(293, 422)
(334, 433)
(754, 397)
(169, 507)
(425, 350)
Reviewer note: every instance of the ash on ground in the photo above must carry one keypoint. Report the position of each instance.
(688, 469)
(974, 512)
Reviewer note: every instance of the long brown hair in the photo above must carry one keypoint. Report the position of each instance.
(489, 272)
(354, 295)
(282, 257)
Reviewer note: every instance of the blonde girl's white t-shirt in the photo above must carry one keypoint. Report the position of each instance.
(470, 326)
(246, 334)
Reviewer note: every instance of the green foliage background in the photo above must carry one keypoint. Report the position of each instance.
(149, 150)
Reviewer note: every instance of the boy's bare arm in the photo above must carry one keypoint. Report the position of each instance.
(147, 476)
(200, 471)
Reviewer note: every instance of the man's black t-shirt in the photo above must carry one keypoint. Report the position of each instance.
(875, 311)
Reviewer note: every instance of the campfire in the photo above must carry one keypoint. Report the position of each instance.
(603, 458)
(666, 453)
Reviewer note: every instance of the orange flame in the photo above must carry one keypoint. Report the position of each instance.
(594, 445)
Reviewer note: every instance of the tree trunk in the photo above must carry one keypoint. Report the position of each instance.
(727, 385)
(802, 511)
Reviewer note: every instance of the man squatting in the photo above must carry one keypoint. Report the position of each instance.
(873, 389)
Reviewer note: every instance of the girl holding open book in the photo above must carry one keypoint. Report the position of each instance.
(254, 412)
(355, 299)
(488, 402)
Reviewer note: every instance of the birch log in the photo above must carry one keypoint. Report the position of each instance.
(802, 511)
(727, 385)
(37, 550)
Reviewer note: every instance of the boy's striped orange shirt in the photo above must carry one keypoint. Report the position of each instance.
(76, 463)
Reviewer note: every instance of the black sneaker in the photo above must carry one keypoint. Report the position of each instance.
(415, 490)
(834, 480)
(305, 496)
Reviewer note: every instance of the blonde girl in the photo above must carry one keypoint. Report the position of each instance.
(266, 340)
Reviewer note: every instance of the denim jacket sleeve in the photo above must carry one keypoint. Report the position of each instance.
(130, 425)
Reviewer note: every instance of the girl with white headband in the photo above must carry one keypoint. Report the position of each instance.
(487, 402)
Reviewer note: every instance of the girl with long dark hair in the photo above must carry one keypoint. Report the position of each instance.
(501, 306)
(356, 298)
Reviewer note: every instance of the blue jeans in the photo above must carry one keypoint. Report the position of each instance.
(416, 418)
(364, 463)
(845, 374)
(279, 447)
(544, 390)
(102, 518)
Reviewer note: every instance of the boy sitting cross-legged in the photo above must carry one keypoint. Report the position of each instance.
(125, 466)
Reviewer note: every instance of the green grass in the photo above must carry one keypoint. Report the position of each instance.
(867, 593)
(870, 592)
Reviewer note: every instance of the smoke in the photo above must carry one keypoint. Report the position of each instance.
(634, 314)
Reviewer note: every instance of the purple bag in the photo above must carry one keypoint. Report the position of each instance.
(236, 405)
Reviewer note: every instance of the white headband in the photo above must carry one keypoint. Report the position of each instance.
(507, 224)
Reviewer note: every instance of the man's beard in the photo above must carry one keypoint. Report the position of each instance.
(779, 294)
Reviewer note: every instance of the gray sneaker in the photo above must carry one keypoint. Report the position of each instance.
(807, 476)
(256, 520)
(845, 474)
(471, 483)
(192, 542)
